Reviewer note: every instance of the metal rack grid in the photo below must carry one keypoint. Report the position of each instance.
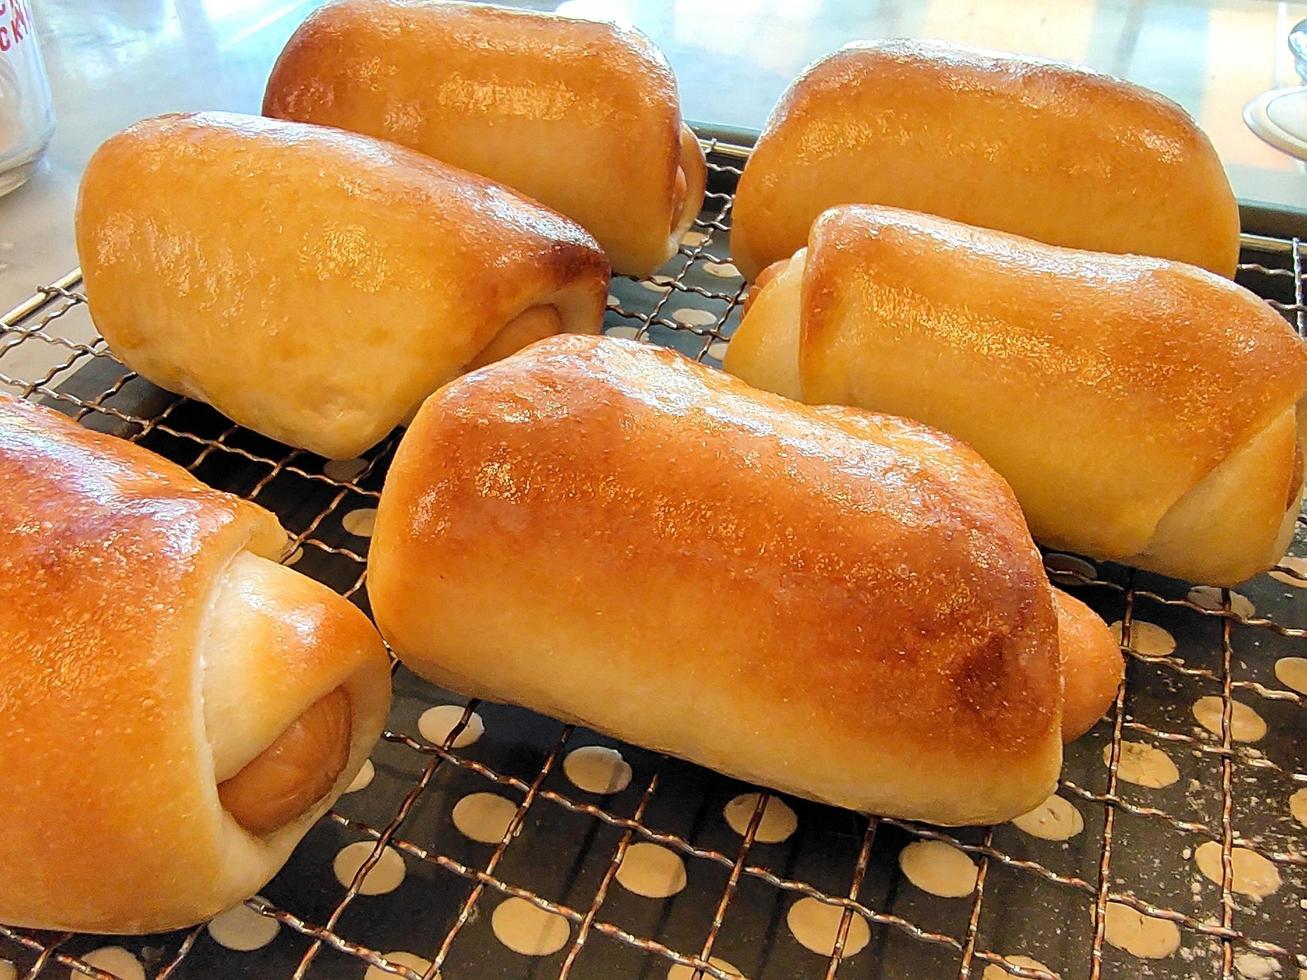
(1030, 897)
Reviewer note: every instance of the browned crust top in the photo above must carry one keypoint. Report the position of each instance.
(878, 571)
(1146, 345)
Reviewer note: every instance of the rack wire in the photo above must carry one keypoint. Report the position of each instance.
(563, 847)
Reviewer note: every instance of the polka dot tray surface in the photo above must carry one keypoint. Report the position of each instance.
(486, 841)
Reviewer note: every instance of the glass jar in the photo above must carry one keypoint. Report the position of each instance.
(26, 110)
(1298, 45)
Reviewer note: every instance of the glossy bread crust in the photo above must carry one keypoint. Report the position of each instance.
(312, 284)
(579, 114)
(1049, 151)
(1143, 410)
(114, 697)
(848, 606)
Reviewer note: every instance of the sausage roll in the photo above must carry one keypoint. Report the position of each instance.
(1144, 411)
(176, 708)
(1049, 151)
(880, 635)
(581, 115)
(316, 285)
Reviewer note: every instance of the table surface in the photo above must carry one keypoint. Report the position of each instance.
(116, 61)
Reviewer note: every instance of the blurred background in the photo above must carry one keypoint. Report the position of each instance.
(112, 62)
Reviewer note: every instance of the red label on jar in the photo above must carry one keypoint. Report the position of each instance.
(15, 23)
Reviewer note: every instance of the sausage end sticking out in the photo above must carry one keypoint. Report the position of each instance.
(295, 771)
(1092, 666)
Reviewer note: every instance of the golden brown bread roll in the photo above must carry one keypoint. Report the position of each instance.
(881, 636)
(176, 709)
(1052, 152)
(311, 284)
(581, 115)
(1144, 411)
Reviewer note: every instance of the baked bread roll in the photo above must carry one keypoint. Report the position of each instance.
(581, 115)
(881, 633)
(1053, 152)
(315, 285)
(176, 709)
(1144, 411)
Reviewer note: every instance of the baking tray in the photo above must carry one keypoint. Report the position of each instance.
(832, 877)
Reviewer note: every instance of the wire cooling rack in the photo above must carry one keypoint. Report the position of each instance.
(1123, 897)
